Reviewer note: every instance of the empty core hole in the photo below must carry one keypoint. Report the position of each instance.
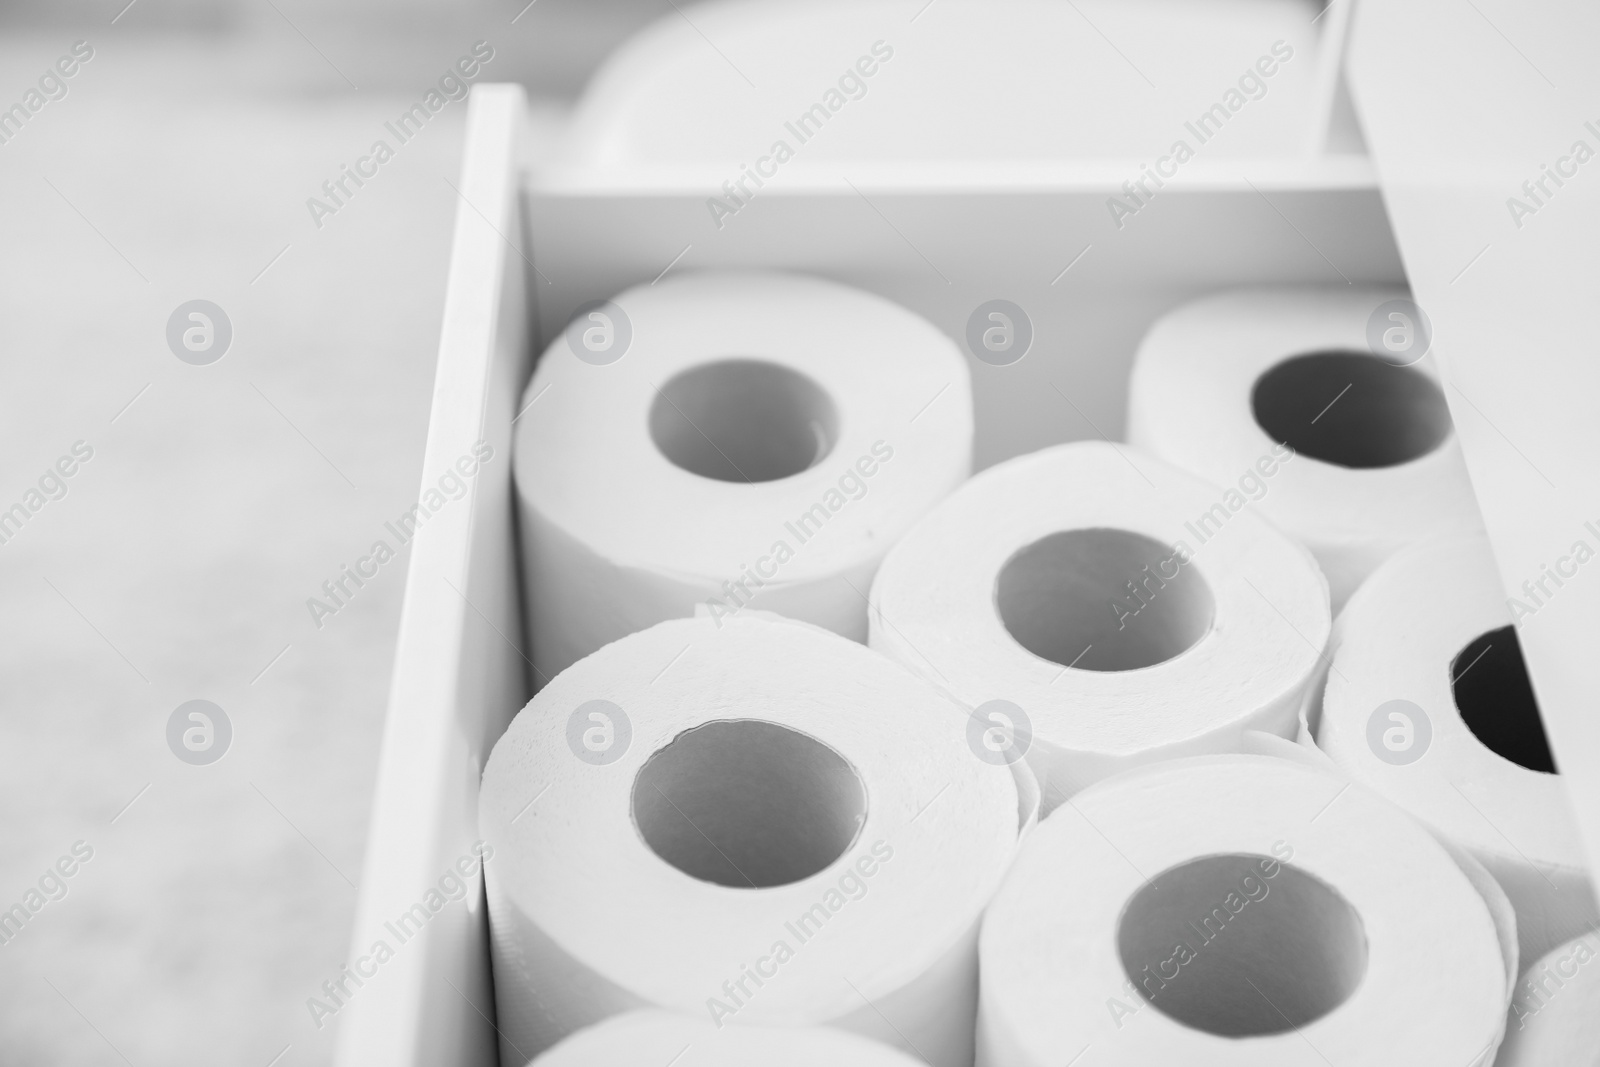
(748, 804)
(1351, 409)
(743, 420)
(1496, 701)
(1103, 600)
(1241, 945)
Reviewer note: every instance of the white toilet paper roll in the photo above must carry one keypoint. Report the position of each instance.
(1218, 382)
(1237, 910)
(761, 439)
(757, 822)
(1555, 1016)
(1500, 910)
(663, 1038)
(1072, 588)
(1428, 702)
(1305, 751)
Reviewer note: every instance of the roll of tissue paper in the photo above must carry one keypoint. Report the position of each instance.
(1428, 702)
(1106, 610)
(663, 1038)
(748, 820)
(1229, 911)
(727, 440)
(1340, 375)
(1555, 1016)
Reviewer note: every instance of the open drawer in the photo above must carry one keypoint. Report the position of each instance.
(531, 245)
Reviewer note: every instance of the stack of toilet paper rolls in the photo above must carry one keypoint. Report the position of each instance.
(727, 832)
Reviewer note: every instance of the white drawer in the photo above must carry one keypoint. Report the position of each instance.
(528, 253)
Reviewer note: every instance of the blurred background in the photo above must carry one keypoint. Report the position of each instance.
(301, 48)
(176, 562)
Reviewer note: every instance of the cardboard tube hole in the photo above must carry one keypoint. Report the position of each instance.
(743, 420)
(1495, 698)
(1351, 409)
(748, 804)
(1241, 945)
(1103, 600)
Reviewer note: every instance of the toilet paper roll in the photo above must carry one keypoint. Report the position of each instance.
(1500, 911)
(1237, 910)
(1555, 1016)
(1428, 702)
(1219, 382)
(1070, 593)
(662, 1038)
(750, 821)
(730, 440)
(1494, 897)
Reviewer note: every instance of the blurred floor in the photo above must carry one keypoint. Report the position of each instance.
(217, 500)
